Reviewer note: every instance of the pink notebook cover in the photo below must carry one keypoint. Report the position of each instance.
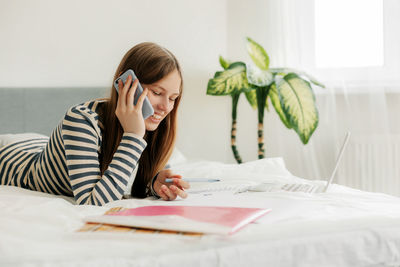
(233, 218)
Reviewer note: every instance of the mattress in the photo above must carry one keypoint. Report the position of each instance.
(342, 227)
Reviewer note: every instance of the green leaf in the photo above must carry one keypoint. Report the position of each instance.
(311, 79)
(252, 98)
(273, 94)
(284, 71)
(257, 54)
(224, 63)
(230, 81)
(298, 103)
(279, 71)
(259, 77)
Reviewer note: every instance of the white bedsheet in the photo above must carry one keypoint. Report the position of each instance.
(344, 227)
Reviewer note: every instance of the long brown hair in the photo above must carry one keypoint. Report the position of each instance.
(151, 63)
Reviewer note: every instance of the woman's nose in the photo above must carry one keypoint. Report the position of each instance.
(163, 104)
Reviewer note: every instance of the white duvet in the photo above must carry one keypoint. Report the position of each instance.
(343, 227)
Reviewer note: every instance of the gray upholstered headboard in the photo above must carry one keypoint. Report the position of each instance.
(40, 110)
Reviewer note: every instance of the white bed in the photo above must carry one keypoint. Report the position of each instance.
(343, 227)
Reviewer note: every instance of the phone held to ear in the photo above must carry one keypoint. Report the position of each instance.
(147, 108)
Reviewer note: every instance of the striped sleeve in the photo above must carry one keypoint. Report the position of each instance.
(81, 137)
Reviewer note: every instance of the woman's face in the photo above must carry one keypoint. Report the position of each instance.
(162, 95)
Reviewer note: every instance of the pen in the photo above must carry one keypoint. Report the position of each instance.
(194, 180)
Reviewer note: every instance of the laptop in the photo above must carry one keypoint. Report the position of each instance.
(304, 187)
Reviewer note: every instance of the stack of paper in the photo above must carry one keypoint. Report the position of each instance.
(213, 220)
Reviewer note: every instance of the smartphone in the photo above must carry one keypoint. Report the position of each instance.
(147, 108)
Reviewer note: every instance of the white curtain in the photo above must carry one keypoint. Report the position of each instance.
(370, 111)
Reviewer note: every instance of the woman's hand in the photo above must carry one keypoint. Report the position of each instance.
(130, 115)
(169, 191)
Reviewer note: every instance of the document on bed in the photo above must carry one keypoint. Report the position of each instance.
(196, 219)
(234, 186)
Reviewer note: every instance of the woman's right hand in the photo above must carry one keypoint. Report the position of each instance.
(167, 190)
(130, 115)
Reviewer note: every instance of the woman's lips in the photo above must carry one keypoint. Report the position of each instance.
(156, 118)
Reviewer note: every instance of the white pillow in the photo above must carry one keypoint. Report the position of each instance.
(176, 157)
(6, 139)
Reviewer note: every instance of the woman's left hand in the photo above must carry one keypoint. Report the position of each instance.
(169, 191)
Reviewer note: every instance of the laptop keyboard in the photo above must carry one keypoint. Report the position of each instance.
(306, 188)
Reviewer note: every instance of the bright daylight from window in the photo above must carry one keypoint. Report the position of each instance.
(348, 33)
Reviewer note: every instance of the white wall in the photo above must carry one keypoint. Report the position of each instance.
(80, 43)
(47, 43)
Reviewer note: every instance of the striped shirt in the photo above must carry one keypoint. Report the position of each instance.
(68, 164)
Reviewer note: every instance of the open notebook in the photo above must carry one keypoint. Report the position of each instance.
(200, 219)
(234, 186)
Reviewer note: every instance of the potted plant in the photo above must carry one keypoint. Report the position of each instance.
(289, 91)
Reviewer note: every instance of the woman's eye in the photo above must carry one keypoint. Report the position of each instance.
(156, 93)
(172, 99)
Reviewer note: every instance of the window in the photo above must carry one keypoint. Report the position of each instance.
(348, 33)
(351, 41)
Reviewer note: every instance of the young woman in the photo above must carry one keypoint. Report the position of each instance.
(101, 144)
